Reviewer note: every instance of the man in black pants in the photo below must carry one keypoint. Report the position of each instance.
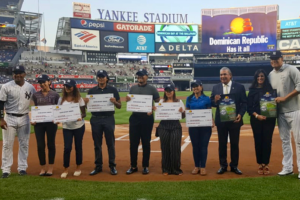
(141, 124)
(104, 122)
(232, 128)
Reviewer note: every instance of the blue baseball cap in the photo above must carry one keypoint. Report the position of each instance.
(70, 83)
(169, 87)
(274, 55)
(142, 72)
(43, 77)
(102, 73)
(195, 83)
(19, 69)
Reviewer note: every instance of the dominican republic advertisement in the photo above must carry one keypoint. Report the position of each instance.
(239, 30)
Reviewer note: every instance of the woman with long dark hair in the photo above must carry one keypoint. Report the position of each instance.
(74, 129)
(170, 133)
(199, 136)
(262, 126)
(45, 97)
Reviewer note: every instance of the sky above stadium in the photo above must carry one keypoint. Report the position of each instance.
(55, 9)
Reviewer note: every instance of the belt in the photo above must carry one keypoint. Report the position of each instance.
(103, 116)
(17, 115)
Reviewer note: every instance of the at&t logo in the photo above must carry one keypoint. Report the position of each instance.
(141, 40)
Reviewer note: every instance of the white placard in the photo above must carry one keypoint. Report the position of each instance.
(139, 103)
(100, 102)
(41, 114)
(198, 118)
(66, 113)
(167, 111)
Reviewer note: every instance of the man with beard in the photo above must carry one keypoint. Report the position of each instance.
(141, 124)
(15, 97)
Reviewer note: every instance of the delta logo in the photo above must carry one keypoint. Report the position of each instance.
(85, 36)
(240, 26)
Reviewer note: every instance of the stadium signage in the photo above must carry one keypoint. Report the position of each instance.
(76, 76)
(157, 79)
(91, 24)
(148, 17)
(81, 10)
(288, 44)
(114, 39)
(293, 23)
(85, 39)
(146, 28)
(177, 48)
(9, 39)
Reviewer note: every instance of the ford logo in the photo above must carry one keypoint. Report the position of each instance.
(114, 39)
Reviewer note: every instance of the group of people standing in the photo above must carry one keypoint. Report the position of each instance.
(15, 97)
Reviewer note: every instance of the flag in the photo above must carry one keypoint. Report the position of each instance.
(44, 40)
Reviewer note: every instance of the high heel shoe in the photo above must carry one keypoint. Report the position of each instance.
(196, 170)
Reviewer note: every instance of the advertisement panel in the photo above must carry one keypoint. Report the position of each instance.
(85, 40)
(141, 42)
(251, 29)
(125, 79)
(177, 48)
(76, 76)
(183, 65)
(292, 23)
(290, 33)
(9, 39)
(82, 10)
(94, 57)
(91, 24)
(176, 33)
(159, 79)
(138, 28)
(113, 41)
(288, 44)
(112, 79)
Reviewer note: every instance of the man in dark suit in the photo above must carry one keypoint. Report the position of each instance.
(232, 128)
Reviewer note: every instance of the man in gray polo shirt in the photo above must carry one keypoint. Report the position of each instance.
(286, 80)
(141, 124)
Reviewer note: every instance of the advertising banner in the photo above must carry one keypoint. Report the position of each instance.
(60, 86)
(290, 33)
(94, 57)
(85, 40)
(76, 76)
(91, 24)
(82, 10)
(251, 29)
(125, 79)
(183, 65)
(139, 28)
(113, 41)
(9, 39)
(288, 44)
(141, 42)
(177, 48)
(159, 79)
(112, 79)
(292, 23)
(176, 33)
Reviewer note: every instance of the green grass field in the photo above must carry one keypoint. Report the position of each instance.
(34, 187)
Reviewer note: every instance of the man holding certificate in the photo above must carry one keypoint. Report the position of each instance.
(101, 102)
(141, 123)
(223, 94)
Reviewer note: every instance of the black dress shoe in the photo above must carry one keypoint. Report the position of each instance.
(236, 170)
(113, 171)
(131, 170)
(222, 170)
(95, 171)
(145, 170)
(5, 175)
(22, 173)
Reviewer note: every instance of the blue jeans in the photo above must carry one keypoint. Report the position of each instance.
(200, 138)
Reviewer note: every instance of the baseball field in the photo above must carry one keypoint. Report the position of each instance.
(250, 185)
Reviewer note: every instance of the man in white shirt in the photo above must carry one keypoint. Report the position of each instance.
(15, 97)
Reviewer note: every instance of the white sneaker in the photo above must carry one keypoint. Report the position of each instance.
(299, 175)
(77, 173)
(64, 175)
(285, 172)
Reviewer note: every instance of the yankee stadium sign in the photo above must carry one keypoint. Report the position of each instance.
(148, 17)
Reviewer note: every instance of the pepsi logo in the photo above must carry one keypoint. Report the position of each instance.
(114, 39)
(83, 23)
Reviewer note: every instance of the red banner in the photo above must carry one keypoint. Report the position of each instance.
(82, 15)
(140, 28)
(76, 76)
(50, 75)
(9, 39)
(60, 86)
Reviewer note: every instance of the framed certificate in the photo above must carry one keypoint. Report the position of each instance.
(41, 114)
(140, 103)
(199, 118)
(268, 106)
(100, 102)
(227, 108)
(66, 113)
(167, 111)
